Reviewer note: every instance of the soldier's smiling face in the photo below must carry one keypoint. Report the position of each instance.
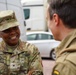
(11, 36)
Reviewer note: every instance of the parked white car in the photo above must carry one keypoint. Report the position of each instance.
(44, 41)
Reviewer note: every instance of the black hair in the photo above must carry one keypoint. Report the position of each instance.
(66, 10)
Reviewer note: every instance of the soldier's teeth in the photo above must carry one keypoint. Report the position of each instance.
(13, 37)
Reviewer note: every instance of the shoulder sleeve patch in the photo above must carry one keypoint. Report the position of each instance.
(55, 72)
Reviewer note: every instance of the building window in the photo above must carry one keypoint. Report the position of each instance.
(26, 13)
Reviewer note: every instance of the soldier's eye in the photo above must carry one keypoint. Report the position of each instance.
(6, 31)
(7, 19)
(15, 27)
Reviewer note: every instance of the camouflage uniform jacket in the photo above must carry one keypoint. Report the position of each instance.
(23, 59)
(66, 56)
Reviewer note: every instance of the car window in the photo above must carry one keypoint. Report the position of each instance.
(32, 37)
(45, 37)
(51, 37)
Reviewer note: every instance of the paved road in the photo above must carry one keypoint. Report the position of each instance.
(47, 66)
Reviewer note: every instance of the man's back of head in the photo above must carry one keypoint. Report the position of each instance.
(66, 10)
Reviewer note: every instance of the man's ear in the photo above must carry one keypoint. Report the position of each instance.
(56, 19)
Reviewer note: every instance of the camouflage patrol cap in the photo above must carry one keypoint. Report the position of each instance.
(7, 19)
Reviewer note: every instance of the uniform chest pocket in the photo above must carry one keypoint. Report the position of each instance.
(19, 64)
(14, 64)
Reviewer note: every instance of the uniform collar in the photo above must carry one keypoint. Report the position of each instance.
(67, 44)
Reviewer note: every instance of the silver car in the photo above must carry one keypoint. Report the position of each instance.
(44, 41)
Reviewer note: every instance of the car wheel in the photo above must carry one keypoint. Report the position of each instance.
(52, 54)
